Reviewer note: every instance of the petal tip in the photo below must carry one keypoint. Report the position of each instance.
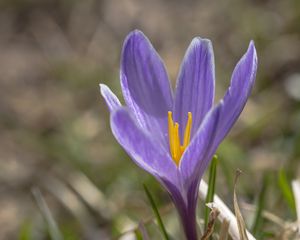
(252, 50)
(102, 88)
(110, 98)
(198, 41)
(138, 32)
(134, 35)
(252, 43)
(202, 44)
(135, 41)
(250, 57)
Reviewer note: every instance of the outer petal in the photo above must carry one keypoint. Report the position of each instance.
(196, 84)
(193, 164)
(110, 98)
(242, 80)
(198, 154)
(219, 121)
(141, 147)
(145, 85)
(155, 160)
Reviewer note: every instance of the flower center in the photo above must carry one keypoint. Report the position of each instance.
(176, 148)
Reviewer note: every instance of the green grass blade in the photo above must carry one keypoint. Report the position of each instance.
(156, 213)
(25, 231)
(260, 206)
(54, 232)
(143, 232)
(211, 186)
(286, 190)
(138, 235)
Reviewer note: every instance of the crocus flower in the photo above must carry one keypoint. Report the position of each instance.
(174, 136)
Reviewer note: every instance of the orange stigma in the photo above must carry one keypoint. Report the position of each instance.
(176, 148)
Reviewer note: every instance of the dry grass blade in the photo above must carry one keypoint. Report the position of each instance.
(225, 212)
(224, 230)
(279, 222)
(143, 231)
(214, 213)
(54, 232)
(238, 214)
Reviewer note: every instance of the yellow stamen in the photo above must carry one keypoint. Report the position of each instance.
(176, 149)
(187, 132)
(177, 154)
(171, 133)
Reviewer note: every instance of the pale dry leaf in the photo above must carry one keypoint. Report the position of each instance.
(224, 230)
(213, 215)
(238, 214)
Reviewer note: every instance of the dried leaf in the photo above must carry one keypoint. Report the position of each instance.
(225, 212)
(211, 223)
(224, 230)
(238, 214)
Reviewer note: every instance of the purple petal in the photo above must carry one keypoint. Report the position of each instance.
(242, 81)
(219, 121)
(195, 160)
(196, 84)
(110, 98)
(141, 147)
(145, 85)
(198, 154)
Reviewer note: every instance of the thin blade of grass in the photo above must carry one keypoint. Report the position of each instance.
(286, 190)
(25, 231)
(260, 206)
(211, 187)
(53, 229)
(156, 213)
(138, 235)
(238, 214)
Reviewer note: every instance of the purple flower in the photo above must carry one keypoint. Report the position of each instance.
(174, 136)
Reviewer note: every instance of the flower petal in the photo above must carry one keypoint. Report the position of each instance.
(145, 85)
(195, 84)
(195, 160)
(242, 81)
(141, 147)
(219, 121)
(200, 151)
(110, 98)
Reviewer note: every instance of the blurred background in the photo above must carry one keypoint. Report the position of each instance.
(57, 154)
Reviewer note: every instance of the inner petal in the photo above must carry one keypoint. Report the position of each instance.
(176, 147)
